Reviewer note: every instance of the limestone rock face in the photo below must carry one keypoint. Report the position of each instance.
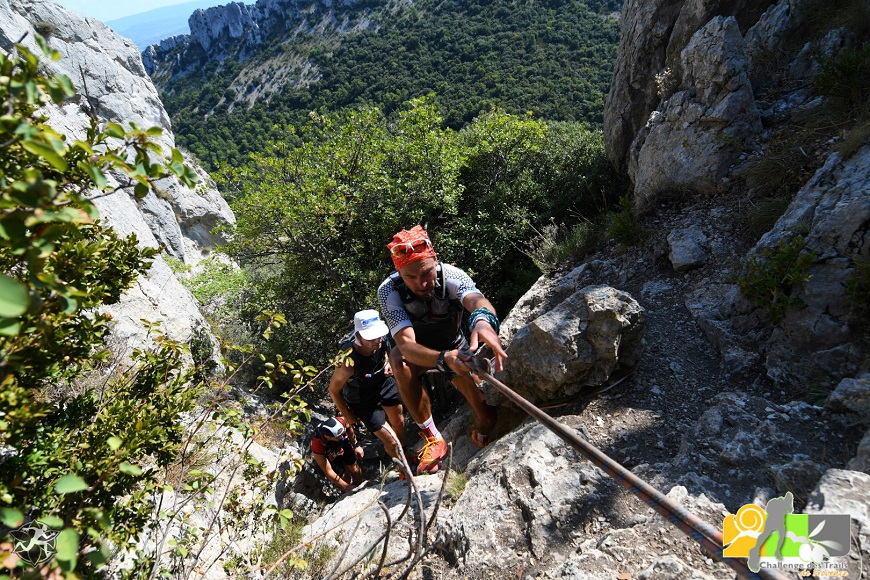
(354, 522)
(694, 137)
(232, 20)
(644, 36)
(237, 30)
(649, 65)
(821, 335)
(525, 499)
(575, 344)
(111, 82)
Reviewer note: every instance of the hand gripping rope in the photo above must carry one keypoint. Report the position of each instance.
(709, 537)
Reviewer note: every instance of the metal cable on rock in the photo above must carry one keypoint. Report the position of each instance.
(709, 537)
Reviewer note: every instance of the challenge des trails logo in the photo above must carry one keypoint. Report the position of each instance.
(33, 543)
(777, 538)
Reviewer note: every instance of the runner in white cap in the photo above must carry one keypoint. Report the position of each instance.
(363, 388)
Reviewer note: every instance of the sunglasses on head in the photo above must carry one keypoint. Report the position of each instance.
(410, 247)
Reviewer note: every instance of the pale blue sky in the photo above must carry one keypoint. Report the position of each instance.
(106, 11)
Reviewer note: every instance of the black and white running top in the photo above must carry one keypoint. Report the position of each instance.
(436, 321)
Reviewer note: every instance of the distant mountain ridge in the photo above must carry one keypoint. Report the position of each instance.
(150, 27)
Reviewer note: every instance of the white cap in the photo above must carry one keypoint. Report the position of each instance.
(369, 325)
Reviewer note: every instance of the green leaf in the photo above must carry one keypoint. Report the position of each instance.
(12, 227)
(67, 545)
(97, 558)
(14, 298)
(130, 468)
(140, 190)
(66, 84)
(115, 443)
(70, 483)
(9, 327)
(47, 153)
(114, 130)
(11, 517)
(154, 132)
(95, 174)
(51, 521)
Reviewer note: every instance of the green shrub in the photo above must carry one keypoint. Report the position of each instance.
(770, 279)
(845, 82)
(456, 482)
(624, 225)
(845, 78)
(88, 458)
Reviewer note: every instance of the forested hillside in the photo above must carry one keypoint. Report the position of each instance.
(552, 58)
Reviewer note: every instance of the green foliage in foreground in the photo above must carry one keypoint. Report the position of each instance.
(314, 220)
(87, 452)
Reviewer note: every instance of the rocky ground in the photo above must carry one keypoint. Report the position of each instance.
(712, 437)
(685, 418)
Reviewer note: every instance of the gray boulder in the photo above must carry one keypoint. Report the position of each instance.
(691, 141)
(852, 395)
(687, 248)
(549, 291)
(577, 343)
(822, 337)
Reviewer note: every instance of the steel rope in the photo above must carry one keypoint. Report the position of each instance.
(709, 537)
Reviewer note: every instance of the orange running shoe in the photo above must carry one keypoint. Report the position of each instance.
(431, 454)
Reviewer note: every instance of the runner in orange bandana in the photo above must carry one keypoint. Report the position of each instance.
(423, 303)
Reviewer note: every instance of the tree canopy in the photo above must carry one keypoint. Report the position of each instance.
(314, 219)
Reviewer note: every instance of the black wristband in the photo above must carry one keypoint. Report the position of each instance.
(440, 364)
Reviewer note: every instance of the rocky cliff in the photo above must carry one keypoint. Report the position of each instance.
(110, 79)
(239, 30)
(697, 102)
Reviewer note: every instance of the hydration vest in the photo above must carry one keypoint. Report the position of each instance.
(368, 375)
(437, 322)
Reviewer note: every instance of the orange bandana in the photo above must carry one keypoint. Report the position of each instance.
(410, 245)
